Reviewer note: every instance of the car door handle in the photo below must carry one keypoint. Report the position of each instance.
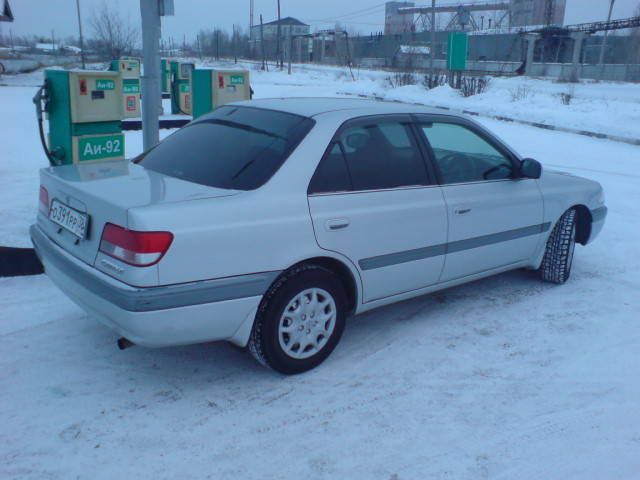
(461, 210)
(337, 223)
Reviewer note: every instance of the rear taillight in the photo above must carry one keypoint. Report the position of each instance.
(140, 249)
(44, 200)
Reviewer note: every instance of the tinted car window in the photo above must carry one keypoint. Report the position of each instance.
(382, 155)
(233, 147)
(464, 156)
(332, 174)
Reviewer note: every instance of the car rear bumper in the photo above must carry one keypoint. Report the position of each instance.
(220, 309)
(598, 217)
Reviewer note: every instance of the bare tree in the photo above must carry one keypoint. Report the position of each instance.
(114, 35)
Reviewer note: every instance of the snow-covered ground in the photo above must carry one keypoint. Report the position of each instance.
(601, 107)
(506, 378)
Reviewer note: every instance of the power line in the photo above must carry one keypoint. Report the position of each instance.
(356, 13)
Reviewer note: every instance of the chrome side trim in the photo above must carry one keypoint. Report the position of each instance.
(598, 214)
(412, 187)
(402, 257)
(452, 247)
(485, 240)
(135, 299)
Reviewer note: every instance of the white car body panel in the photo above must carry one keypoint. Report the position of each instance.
(500, 208)
(381, 223)
(229, 245)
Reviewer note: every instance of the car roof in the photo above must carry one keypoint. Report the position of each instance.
(310, 107)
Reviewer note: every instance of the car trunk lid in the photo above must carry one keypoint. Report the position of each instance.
(105, 192)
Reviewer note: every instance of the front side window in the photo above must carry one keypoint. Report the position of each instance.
(237, 148)
(374, 156)
(463, 156)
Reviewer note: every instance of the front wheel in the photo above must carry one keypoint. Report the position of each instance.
(300, 320)
(558, 255)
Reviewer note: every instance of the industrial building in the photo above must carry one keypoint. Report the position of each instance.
(537, 12)
(396, 22)
(403, 17)
(285, 26)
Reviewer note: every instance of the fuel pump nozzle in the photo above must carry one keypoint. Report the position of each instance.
(41, 101)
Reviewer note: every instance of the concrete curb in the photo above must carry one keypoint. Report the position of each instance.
(546, 126)
(16, 262)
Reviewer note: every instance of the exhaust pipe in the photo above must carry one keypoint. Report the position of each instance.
(124, 343)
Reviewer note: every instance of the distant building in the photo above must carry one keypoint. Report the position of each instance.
(396, 22)
(537, 12)
(287, 24)
(46, 47)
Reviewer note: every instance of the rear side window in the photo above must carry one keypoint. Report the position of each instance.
(372, 156)
(332, 174)
(236, 148)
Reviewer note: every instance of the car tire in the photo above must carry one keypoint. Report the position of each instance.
(558, 256)
(300, 320)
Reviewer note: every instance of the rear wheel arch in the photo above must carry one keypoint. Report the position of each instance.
(338, 268)
(303, 281)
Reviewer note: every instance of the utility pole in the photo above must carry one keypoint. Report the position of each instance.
(290, 50)
(250, 19)
(264, 58)
(432, 50)
(278, 52)
(235, 46)
(603, 46)
(80, 32)
(252, 43)
(150, 13)
(349, 61)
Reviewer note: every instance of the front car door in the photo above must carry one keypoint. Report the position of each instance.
(372, 200)
(495, 217)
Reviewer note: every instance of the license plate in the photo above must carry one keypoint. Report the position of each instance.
(69, 218)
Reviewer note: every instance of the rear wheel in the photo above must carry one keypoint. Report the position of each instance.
(300, 320)
(558, 256)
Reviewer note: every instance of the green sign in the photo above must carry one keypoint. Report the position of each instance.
(133, 64)
(184, 88)
(130, 85)
(101, 148)
(237, 79)
(105, 84)
(457, 51)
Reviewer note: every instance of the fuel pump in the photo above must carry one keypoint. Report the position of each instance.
(212, 88)
(181, 87)
(129, 69)
(84, 110)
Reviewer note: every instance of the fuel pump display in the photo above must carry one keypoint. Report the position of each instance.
(212, 88)
(84, 110)
(181, 87)
(129, 69)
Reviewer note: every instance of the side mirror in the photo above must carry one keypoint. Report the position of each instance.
(530, 168)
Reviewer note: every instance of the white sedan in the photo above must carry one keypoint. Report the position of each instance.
(267, 223)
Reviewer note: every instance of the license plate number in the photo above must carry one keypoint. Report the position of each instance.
(69, 218)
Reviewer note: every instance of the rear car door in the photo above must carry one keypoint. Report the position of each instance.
(495, 217)
(372, 200)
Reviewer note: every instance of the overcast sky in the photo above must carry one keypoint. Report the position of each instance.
(43, 16)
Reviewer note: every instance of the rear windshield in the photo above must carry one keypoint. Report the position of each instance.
(237, 148)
